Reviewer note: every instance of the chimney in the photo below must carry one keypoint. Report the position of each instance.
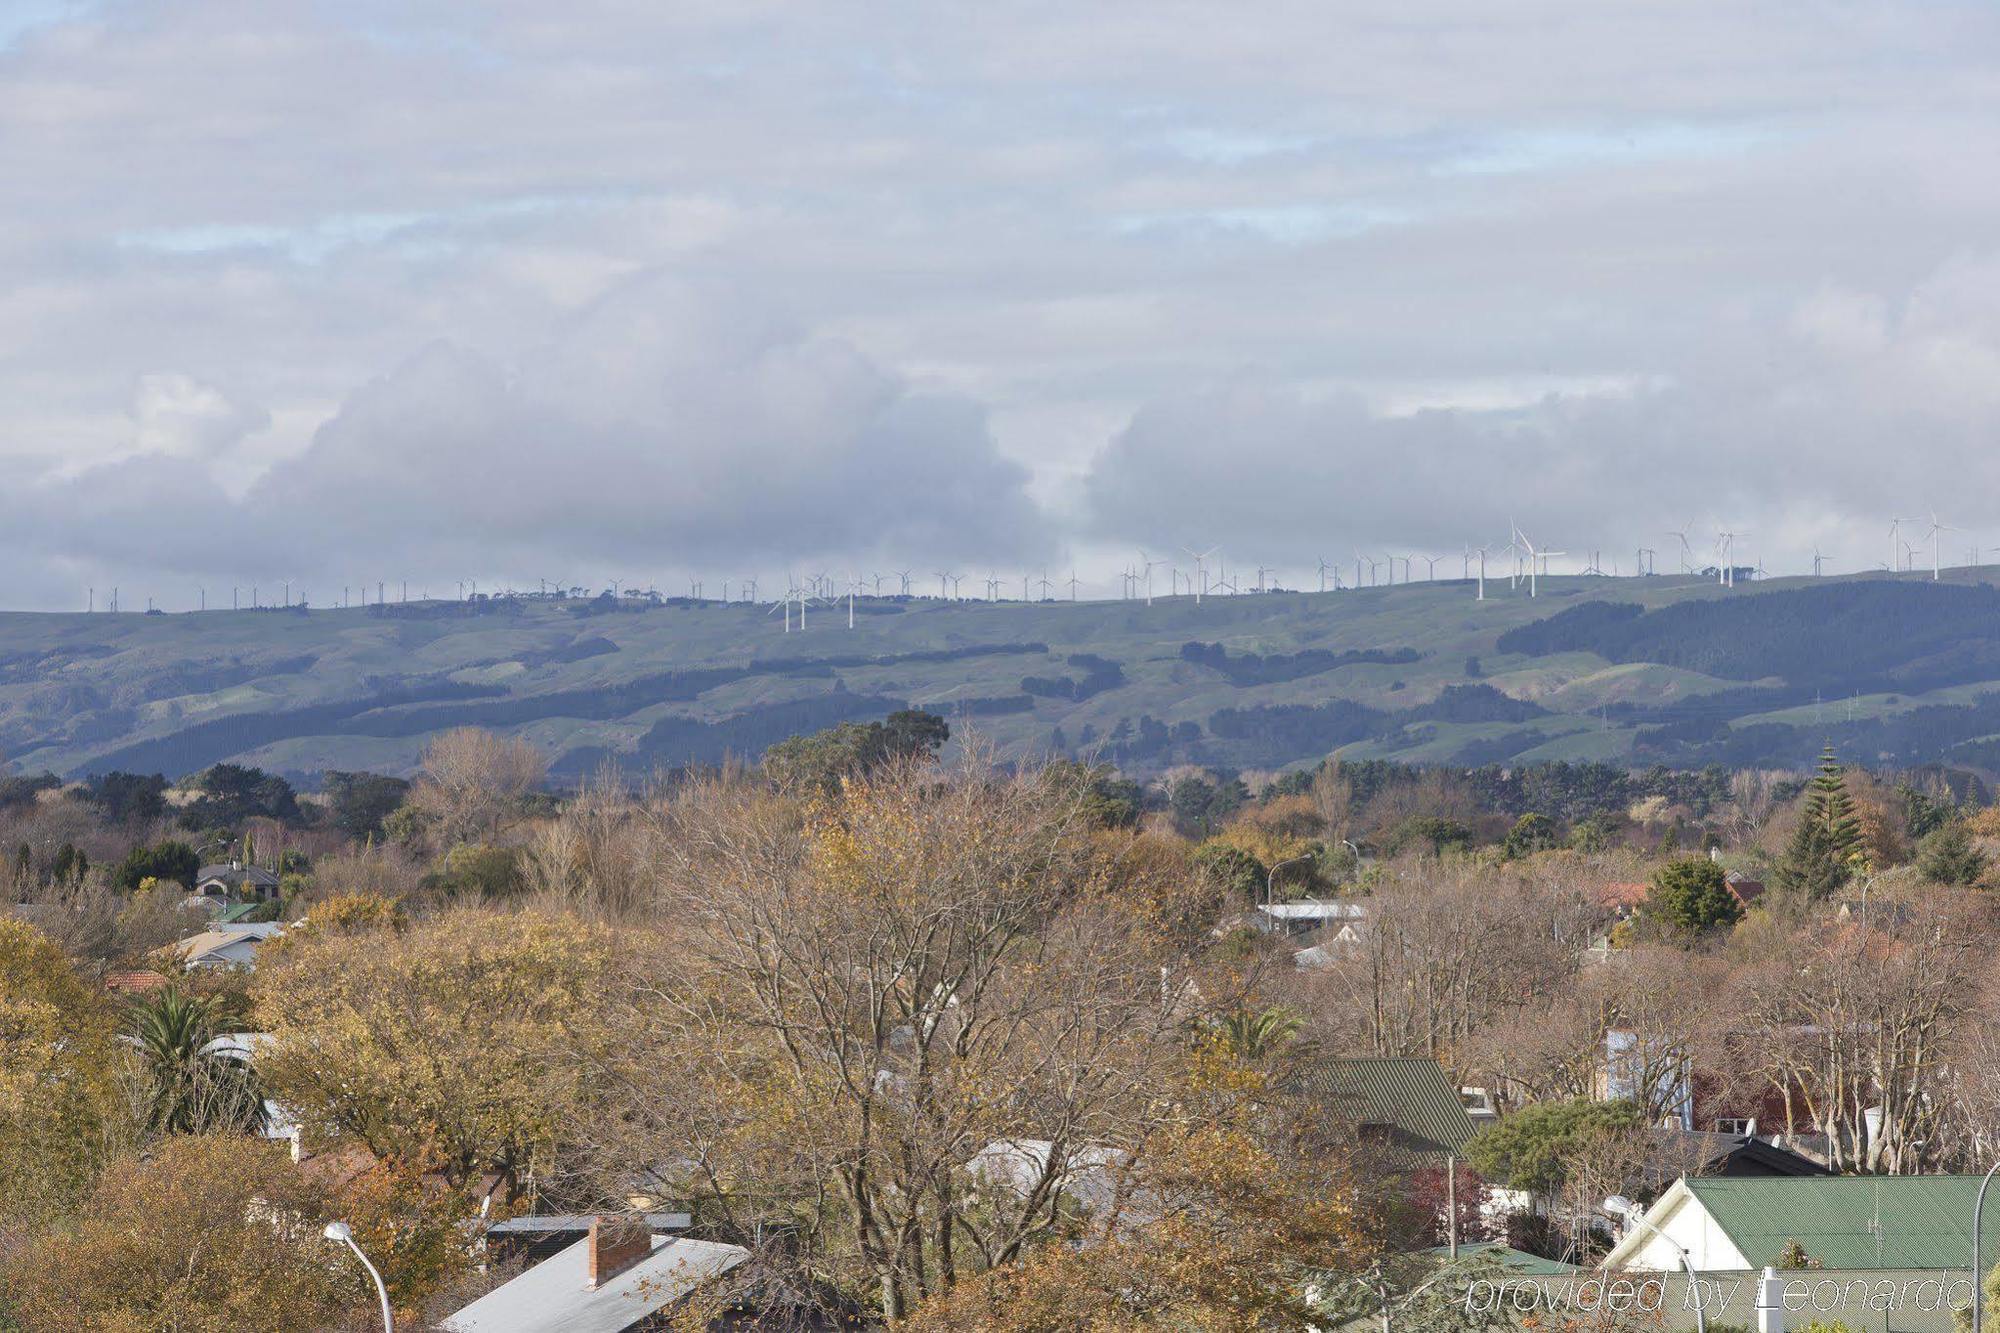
(616, 1243)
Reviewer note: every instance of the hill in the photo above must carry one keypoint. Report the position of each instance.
(1672, 671)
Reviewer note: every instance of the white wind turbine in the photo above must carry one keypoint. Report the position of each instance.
(944, 583)
(1687, 551)
(1200, 570)
(1897, 547)
(1937, 530)
(1146, 567)
(1819, 561)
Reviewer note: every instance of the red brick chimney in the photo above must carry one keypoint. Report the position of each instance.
(616, 1243)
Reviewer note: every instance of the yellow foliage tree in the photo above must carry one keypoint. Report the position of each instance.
(461, 1045)
(200, 1235)
(61, 1111)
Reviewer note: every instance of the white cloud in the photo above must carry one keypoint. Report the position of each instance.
(1685, 256)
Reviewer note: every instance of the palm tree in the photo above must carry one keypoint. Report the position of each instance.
(192, 1087)
(1256, 1036)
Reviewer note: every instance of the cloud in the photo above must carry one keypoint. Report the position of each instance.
(1804, 435)
(464, 291)
(674, 426)
(179, 416)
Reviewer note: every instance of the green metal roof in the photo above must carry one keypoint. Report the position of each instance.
(1852, 1221)
(1411, 1097)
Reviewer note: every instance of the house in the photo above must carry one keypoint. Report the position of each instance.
(1708, 1153)
(1841, 1222)
(134, 982)
(236, 880)
(1089, 1176)
(1342, 919)
(226, 946)
(1407, 1108)
(1743, 889)
(619, 1276)
(538, 1236)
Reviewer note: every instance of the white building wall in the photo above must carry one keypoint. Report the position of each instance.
(1691, 1227)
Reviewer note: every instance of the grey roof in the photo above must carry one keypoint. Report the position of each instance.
(232, 874)
(539, 1223)
(551, 1296)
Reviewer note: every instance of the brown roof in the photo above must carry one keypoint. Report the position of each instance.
(134, 982)
(1747, 890)
(1622, 895)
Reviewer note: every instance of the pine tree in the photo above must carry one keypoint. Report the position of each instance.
(1829, 806)
(1827, 844)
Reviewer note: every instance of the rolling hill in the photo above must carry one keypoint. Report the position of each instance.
(1671, 671)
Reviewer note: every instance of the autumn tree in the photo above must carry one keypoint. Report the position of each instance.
(473, 783)
(61, 1110)
(462, 1044)
(200, 1234)
(865, 989)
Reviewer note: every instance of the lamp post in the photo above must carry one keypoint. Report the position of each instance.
(1632, 1212)
(1979, 1278)
(344, 1234)
(1271, 875)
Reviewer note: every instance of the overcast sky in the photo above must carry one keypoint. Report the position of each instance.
(344, 290)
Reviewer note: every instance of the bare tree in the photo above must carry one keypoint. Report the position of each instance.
(473, 783)
(1857, 1023)
(903, 1023)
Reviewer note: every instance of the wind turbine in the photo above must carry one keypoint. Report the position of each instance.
(904, 575)
(1819, 561)
(1146, 567)
(1896, 542)
(1073, 581)
(1937, 529)
(1687, 551)
(1482, 576)
(1322, 573)
(1200, 570)
(1533, 557)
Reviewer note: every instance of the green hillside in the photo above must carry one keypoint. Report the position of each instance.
(1671, 671)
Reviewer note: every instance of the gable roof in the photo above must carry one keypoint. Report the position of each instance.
(1840, 1221)
(1412, 1097)
(226, 873)
(1677, 1152)
(552, 1296)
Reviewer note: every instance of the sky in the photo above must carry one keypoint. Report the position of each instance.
(348, 291)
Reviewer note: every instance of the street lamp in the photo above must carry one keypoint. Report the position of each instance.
(1979, 1278)
(1623, 1207)
(1270, 892)
(344, 1234)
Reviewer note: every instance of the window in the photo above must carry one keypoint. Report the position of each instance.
(1735, 1125)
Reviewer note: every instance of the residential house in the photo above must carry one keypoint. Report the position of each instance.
(1841, 1222)
(1088, 1176)
(1694, 1152)
(1343, 919)
(621, 1275)
(1745, 890)
(234, 880)
(1406, 1109)
(538, 1236)
(226, 946)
